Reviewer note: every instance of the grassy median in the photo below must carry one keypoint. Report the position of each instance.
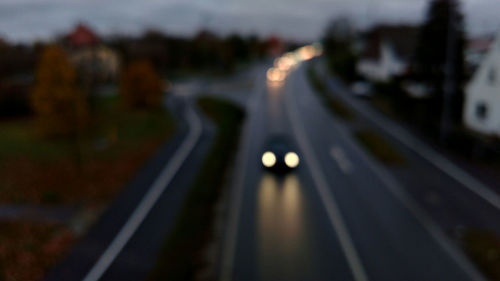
(379, 147)
(336, 106)
(182, 257)
(483, 248)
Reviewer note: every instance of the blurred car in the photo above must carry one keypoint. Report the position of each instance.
(279, 155)
(362, 89)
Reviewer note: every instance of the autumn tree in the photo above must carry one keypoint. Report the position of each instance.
(60, 107)
(140, 86)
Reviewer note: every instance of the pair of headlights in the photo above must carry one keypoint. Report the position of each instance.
(291, 159)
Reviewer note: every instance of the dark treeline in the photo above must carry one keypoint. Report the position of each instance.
(204, 52)
(17, 65)
(170, 55)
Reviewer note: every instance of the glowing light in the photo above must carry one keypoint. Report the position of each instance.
(292, 159)
(275, 75)
(268, 159)
(285, 63)
(306, 52)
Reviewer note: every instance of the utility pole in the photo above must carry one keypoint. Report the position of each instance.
(449, 85)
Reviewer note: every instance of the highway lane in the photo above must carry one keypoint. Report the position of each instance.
(137, 258)
(283, 232)
(394, 238)
(363, 227)
(456, 205)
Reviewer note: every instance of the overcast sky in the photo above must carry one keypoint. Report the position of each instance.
(295, 19)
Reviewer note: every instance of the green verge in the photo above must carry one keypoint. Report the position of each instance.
(119, 128)
(182, 255)
(379, 147)
(483, 248)
(336, 106)
(117, 141)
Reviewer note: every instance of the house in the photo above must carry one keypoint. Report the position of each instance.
(99, 61)
(386, 51)
(475, 51)
(82, 37)
(482, 94)
(93, 59)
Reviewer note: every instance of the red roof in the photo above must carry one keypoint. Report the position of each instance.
(480, 44)
(402, 39)
(82, 36)
(275, 45)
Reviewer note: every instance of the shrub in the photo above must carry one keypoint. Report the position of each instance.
(60, 107)
(141, 86)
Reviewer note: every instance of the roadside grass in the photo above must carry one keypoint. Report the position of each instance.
(28, 249)
(374, 143)
(341, 109)
(44, 171)
(336, 106)
(17, 138)
(182, 256)
(379, 147)
(483, 248)
(38, 170)
(384, 105)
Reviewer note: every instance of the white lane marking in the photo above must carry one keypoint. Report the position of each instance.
(327, 198)
(431, 156)
(232, 226)
(343, 162)
(424, 219)
(149, 199)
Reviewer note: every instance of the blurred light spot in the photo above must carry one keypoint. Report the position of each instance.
(292, 159)
(275, 75)
(268, 159)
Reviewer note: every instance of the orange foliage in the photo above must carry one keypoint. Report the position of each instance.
(97, 181)
(141, 86)
(60, 106)
(28, 250)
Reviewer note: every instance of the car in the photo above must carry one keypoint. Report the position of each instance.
(279, 155)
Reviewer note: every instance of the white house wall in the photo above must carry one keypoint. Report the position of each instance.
(383, 69)
(484, 89)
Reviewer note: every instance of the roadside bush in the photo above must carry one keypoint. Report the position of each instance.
(60, 106)
(343, 64)
(140, 86)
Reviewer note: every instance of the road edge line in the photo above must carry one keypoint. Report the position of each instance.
(149, 199)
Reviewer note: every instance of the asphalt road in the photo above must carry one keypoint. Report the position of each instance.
(446, 189)
(339, 216)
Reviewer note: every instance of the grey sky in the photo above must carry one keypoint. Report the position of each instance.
(32, 19)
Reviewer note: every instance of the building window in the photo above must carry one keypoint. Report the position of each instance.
(492, 76)
(481, 111)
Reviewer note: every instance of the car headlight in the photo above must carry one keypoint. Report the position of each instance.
(292, 159)
(268, 159)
